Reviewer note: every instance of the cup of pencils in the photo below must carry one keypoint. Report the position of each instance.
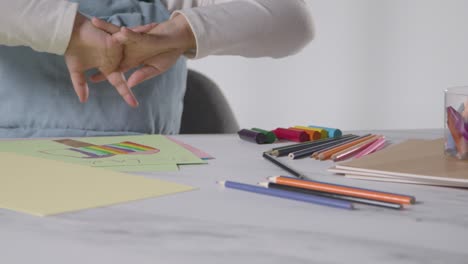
(456, 122)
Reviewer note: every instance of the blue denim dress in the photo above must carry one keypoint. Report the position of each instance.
(37, 98)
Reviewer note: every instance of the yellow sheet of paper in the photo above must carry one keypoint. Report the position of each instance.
(46, 187)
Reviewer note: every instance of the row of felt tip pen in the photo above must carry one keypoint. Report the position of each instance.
(334, 195)
(296, 134)
(336, 149)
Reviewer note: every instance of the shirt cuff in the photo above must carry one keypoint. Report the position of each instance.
(196, 24)
(64, 28)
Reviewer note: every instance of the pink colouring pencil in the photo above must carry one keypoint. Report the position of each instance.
(373, 147)
(349, 152)
(379, 148)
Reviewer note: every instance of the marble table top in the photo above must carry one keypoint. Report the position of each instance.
(212, 225)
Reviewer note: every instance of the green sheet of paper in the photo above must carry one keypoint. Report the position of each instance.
(46, 187)
(119, 152)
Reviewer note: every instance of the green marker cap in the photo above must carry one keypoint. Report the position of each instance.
(271, 137)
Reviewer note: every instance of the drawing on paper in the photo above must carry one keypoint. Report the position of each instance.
(84, 150)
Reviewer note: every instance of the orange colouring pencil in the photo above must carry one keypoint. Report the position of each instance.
(344, 190)
(315, 154)
(327, 154)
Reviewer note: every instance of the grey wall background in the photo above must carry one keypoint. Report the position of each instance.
(374, 64)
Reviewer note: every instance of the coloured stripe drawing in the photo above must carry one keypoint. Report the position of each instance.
(80, 149)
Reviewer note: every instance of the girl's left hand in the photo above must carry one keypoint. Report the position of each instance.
(155, 47)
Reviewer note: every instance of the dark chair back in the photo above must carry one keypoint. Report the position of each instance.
(206, 110)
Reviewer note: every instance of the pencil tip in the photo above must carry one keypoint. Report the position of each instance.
(272, 178)
(221, 183)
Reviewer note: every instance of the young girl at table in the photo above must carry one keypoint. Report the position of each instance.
(38, 99)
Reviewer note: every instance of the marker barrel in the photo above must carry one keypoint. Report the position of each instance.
(270, 136)
(332, 132)
(252, 136)
(292, 135)
(323, 132)
(313, 134)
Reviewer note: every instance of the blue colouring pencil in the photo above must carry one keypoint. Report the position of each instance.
(309, 198)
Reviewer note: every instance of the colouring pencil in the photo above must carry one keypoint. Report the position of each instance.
(373, 147)
(315, 154)
(453, 120)
(344, 190)
(381, 146)
(303, 143)
(308, 151)
(353, 150)
(349, 154)
(327, 154)
(285, 150)
(332, 195)
(315, 199)
(284, 166)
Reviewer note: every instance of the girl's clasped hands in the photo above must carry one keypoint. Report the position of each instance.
(150, 49)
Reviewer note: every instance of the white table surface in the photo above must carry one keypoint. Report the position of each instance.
(212, 225)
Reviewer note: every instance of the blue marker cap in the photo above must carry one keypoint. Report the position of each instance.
(332, 132)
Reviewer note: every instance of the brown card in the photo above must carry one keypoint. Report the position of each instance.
(420, 158)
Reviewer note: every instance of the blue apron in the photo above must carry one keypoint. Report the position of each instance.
(37, 97)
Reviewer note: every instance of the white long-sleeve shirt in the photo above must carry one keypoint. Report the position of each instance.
(249, 28)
